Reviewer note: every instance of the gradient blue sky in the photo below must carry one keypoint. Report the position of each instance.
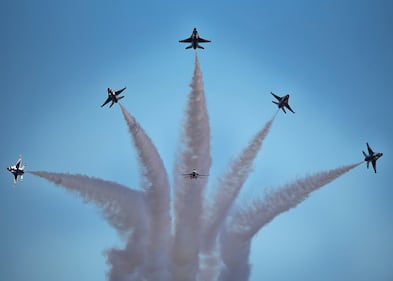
(335, 58)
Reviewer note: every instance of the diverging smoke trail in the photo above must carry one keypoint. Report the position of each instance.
(229, 186)
(122, 207)
(156, 185)
(246, 222)
(188, 193)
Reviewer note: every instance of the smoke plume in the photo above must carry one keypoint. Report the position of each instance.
(191, 243)
(246, 221)
(194, 153)
(157, 195)
(123, 208)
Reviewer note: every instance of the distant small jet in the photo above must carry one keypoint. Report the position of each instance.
(194, 174)
(282, 102)
(17, 170)
(194, 39)
(372, 157)
(113, 96)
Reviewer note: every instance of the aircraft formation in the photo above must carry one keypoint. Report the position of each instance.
(282, 103)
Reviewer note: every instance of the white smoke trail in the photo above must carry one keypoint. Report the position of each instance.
(123, 208)
(229, 186)
(235, 239)
(194, 154)
(156, 185)
(126, 264)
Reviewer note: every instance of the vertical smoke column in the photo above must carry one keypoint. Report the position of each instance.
(235, 239)
(122, 207)
(194, 154)
(228, 189)
(156, 185)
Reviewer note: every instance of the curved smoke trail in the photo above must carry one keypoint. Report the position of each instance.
(156, 185)
(235, 239)
(229, 186)
(194, 154)
(122, 207)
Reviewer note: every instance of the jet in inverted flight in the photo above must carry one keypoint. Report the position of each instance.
(194, 174)
(371, 157)
(113, 96)
(282, 102)
(17, 170)
(194, 39)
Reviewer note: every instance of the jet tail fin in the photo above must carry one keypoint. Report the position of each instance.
(274, 102)
(364, 153)
(119, 98)
(200, 47)
(189, 47)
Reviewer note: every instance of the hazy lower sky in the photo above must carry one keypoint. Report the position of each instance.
(335, 59)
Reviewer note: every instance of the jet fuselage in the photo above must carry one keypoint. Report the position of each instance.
(373, 157)
(283, 102)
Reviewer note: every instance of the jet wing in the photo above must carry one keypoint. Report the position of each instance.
(107, 100)
(287, 106)
(18, 163)
(370, 151)
(119, 91)
(374, 162)
(274, 95)
(201, 40)
(188, 40)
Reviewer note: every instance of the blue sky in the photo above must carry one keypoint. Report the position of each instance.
(335, 58)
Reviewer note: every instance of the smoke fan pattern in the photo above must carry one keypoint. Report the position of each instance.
(211, 237)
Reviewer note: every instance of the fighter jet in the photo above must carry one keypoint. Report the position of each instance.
(282, 102)
(113, 96)
(194, 174)
(194, 39)
(17, 170)
(372, 157)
